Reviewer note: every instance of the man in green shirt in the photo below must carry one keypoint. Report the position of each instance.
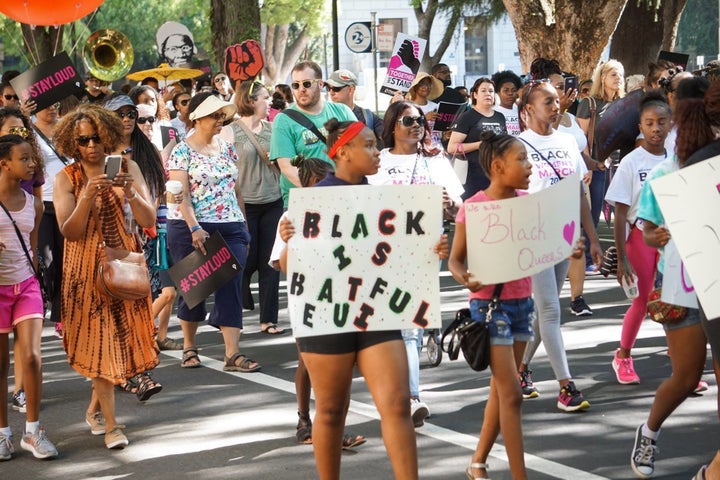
(290, 138)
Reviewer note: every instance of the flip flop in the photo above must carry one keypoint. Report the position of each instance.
(272, 329)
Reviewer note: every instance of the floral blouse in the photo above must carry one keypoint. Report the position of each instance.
(212, 182)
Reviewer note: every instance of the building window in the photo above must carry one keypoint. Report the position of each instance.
(388, 29)
(476, 59)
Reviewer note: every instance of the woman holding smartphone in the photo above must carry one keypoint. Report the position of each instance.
(107, 340)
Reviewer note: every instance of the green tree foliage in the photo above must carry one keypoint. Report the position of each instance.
(139, 21)
(426, 11)
(288, 30)
(698, 29)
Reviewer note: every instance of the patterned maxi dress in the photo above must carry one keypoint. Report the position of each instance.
(103, 337)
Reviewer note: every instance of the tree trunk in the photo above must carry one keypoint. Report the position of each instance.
(425, 18)
(574, 32)
(233, 21)
(281, 56)
(643, 31)
(42, 43)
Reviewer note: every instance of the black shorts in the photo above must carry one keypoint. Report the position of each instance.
(340, 343)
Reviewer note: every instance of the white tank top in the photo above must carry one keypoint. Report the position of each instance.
(14, 265)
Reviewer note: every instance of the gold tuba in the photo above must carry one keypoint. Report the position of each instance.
(108, 55)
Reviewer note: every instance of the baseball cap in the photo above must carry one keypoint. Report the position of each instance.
(342, 78)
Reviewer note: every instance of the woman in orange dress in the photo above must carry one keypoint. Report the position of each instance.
(106, 340)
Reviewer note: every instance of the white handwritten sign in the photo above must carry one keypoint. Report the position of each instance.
(362, 258)
(690, 202)
(677, 288)
(518, 237)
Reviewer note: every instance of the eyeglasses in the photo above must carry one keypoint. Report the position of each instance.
(22, 131)
(184, 102)
(217, 116)
(11, 97)
(183, 48)
(131, 114)
(337, 89)
(305, 84)
(142, 120)
(84, 140)
(220, 79)
(408, 120)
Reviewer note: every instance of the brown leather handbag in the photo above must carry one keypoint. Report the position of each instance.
(121, 274)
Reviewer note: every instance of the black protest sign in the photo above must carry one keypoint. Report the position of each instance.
(198, 275)
(447, 113)
(168, 134)
(49, 82)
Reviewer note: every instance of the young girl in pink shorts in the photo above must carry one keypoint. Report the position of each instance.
(21, 304)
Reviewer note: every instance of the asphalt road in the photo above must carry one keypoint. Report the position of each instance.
(211, 424)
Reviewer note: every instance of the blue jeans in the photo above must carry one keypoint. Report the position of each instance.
(227, 310)
(413, 343)
(597, 198)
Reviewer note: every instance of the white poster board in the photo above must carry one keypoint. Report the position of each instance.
(362, 258)
(518, 237)
(690, 202)
(404, 63)
(677, 288)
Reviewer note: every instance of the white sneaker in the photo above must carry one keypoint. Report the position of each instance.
(419, 411)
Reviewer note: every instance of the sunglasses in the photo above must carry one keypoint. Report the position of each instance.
(585, 90)
(22, 131)
(131, 114)
(11, 97)
(336, 89)
(220, 79)
(529, 85)
(305, 84)
(142, 120)
(184, 102)
(217, 116)
(84, 141)
(409, 120)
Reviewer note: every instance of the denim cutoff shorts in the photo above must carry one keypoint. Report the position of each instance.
(510, 322)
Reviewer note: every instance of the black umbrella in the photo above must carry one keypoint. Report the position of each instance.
(618, 127)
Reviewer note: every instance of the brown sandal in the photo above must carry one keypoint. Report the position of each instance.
(190, 358)
(245, 365)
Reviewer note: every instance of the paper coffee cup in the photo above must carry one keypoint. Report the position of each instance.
(173, 186)
(631, 289)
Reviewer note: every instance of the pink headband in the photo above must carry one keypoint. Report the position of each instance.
(349, 133)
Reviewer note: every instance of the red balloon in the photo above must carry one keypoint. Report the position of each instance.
(48, 12)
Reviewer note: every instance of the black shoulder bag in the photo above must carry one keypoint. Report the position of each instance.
(473, 338)
(305, 122)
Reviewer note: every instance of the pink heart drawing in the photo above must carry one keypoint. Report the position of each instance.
(569, 232)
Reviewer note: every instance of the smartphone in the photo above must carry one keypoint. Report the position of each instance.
(112, 165)
(571, 83)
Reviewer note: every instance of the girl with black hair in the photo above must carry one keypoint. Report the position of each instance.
(135, 145)
(636, 260)
(379, 355)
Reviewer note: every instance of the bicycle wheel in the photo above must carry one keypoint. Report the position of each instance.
(432, 348)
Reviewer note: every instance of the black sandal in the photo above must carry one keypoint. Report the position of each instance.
(130, 386)
(146, 386)
(304, 429)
